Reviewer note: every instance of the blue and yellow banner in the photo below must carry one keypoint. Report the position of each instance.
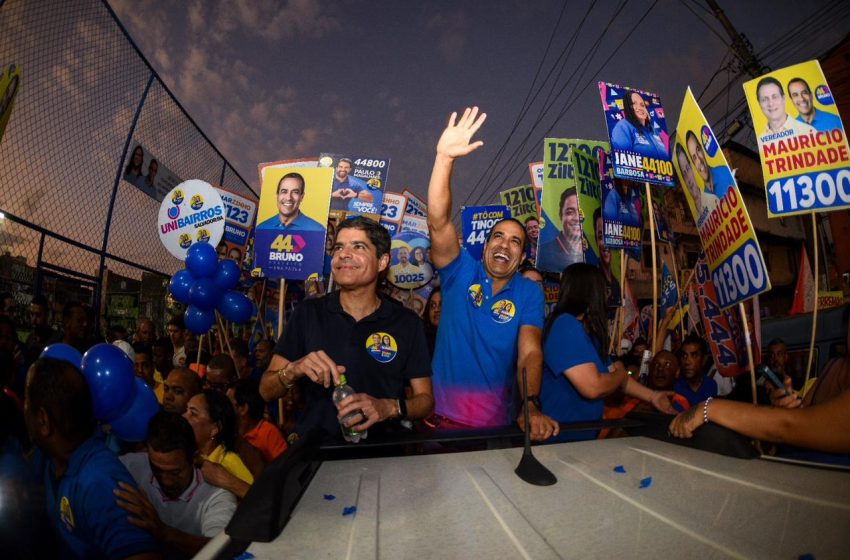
(802, 144)
(476, 223)
(637, 129)
(728, 238)
(289, 239)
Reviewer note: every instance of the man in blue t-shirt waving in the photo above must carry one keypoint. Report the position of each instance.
(492, 317)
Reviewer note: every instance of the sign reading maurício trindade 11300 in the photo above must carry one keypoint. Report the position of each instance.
(802, 142)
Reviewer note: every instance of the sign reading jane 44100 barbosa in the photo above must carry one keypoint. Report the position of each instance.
(802, 143)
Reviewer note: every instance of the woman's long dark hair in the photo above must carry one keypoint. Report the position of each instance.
(583, 291)
(220, 411)
(629, 111)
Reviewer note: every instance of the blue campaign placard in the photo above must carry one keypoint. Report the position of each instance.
(476, 223)
(637, 128)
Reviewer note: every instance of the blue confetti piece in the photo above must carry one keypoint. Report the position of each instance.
(619, 469)
(329, 497)
(350, 510)
(807, 556)
(646, 482)
(244, 556)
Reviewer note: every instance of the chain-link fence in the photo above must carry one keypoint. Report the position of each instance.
(72, 229)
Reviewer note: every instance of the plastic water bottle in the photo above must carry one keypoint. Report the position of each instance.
(341, 392)
(644, 367)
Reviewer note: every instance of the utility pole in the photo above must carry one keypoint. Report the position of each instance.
(740, 44)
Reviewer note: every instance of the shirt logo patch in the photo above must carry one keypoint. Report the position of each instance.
(503, 310)
(476, 295)
(382, 346)
(65, 514)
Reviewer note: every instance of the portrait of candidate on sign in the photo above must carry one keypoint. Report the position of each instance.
(289, 239)
(358, 184)
(802, 143)
(637, 129)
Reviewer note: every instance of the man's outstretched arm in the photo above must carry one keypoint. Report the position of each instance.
(455, 142)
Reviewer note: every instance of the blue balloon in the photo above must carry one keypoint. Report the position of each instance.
(227, 275)
(197, 320)
(201, 260)
(180, 285)
(235, 307)
(133, 424)
(110, 374)
(204, 294)
(65, 352)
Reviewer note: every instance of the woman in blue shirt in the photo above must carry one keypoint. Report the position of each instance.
(636, 131)
(577, 374)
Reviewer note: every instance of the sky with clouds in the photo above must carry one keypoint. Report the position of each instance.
(269, 80)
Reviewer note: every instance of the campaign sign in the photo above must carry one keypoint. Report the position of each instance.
(724, 226)
(476, 223)
(722, 327)
(586, 169)
(191, 213)
(289, 240)
(410, 267)
(663, 231)
(802, 143)
(523, 204)
(415, 205)
(393, 207)
(622, 214)
(10, 81)
(535, 170)
(147, 173)
(359, 182)
(414, 224)
(239, 215)
(638, 132)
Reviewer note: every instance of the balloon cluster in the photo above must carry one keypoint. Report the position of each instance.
(206, 284)
(118, 396)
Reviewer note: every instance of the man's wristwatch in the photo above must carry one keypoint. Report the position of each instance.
(401, 405)
(535, 400)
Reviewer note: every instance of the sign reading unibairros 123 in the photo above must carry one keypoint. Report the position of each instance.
(802, 142)
(191, 213)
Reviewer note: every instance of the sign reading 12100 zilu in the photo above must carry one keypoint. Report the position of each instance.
(638, 132)
(802, 144)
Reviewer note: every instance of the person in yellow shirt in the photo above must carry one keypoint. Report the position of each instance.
(213, 420)
(146, 371)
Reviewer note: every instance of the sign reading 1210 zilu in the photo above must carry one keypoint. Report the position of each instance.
(638, 132)
(802, 144)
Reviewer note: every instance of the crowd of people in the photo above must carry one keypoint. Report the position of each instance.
(228, 411)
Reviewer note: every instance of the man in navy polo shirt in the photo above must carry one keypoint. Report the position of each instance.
(377, 343)
(692, 383)
(80, 473)
(492, 319)
(290, 193)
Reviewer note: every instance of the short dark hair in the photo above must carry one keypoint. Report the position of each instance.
(567, 193)
(535, 218)
(69, 307)
(196, 386)
(168, 431)
(239, 348)
(61, 390)
(694, 339)
(178, 322)
(39, 300)
(225, 363)
(142, 348)
(775, 341)
(220, 411)
(117, 330)
(164, 343)
(517, 222)
(801, 80)
(248, 392)
(346, 160)
(292, 175)
(690, 134)
(377, 234)
(769, 80)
